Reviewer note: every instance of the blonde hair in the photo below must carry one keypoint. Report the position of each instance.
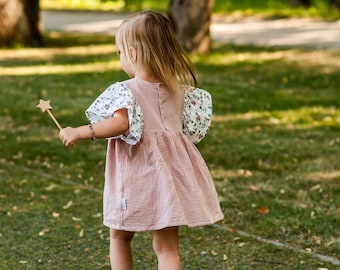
(158, 51)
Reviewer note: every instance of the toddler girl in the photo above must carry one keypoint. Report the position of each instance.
(155, 178)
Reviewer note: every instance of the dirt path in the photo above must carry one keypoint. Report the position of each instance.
(280, 32)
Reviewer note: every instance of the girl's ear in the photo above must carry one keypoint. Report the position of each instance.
(132, 55)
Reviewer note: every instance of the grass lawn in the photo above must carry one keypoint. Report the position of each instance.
(273, 150)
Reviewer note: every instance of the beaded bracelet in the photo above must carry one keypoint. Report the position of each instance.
(93, 135)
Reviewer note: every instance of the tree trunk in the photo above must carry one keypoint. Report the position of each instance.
(305, 3)
(191, 20)
(335, 4)
(20, 22)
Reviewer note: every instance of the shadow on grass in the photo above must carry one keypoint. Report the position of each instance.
(273, 143)
(66, 40)
(268, 79)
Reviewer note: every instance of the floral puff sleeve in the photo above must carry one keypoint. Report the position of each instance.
(197, 113)
(118, 96)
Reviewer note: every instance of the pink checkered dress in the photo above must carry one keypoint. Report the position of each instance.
(155, 177)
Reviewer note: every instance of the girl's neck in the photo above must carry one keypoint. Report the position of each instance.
(146, 77)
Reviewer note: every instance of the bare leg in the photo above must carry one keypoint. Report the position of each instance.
(120, 250)
(166, 247)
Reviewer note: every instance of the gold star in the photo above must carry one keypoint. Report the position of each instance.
(44, 105)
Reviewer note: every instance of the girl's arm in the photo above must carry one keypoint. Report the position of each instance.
(111, 127)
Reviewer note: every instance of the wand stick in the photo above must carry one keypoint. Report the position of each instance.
(44, 105)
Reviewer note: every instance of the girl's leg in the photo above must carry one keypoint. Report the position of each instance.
(120, 250)
(166, 247)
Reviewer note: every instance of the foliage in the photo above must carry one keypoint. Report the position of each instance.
(273, 150)
(117, 5)
(268, 8)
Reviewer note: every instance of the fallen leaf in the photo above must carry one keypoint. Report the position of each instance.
(254, 188)
(98, 215)
(263, 210)
(317, 239)
(43, 197)
(315, 187)
(76, 219)
(245, 173)
(248, 173)
(43, 232)
(333, 241)
(51, 187)
(214, 253)
(68, 205)
(301, 194)
(81, 233)
(303, 205)
(232, 230)
(19, 155)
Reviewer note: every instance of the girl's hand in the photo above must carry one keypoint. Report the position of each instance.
(111, 127)
(69, 136)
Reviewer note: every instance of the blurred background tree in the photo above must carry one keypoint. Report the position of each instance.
(191, 19)
(306, 3)
(335, 4)
(20, 22)
(20, 19)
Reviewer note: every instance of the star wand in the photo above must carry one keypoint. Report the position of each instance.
(44, 105)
